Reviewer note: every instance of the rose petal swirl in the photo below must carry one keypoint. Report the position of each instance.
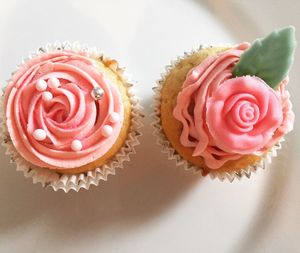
(243, 114)
(225, 117)
(71, 114)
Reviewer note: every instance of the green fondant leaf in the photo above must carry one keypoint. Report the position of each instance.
(269, 58)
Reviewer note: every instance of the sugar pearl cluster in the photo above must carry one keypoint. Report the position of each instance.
(42, 85)
(97, 94)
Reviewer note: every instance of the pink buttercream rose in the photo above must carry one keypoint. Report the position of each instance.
(223, 117)
(243, 114)
(51, 116)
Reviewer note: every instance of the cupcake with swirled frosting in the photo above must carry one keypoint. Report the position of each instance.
(222, 110)
(69, 111)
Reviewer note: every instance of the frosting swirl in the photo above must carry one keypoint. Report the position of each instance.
(243, 114)
(223, 117)
(52, 116)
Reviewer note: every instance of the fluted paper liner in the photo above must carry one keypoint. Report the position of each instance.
(172, 154)
(67, 182)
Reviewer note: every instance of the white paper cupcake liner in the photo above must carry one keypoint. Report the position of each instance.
(172, 154)
(67, 182)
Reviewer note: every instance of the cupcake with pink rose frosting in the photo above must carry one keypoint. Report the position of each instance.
(223, 110)
(69, 112)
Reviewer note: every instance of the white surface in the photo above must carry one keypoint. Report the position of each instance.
(150, 206)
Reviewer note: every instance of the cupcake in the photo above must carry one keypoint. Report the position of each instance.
(70, 117)
(224, 110)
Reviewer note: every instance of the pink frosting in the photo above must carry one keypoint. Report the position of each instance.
(223, 117)
(71, 114)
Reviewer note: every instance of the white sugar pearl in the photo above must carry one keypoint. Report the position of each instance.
(39, 134)
(53, 82)
(107, 131)
(41, 85)
(195, 74)
(76, 145)
(47, 96)
(114, 117)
